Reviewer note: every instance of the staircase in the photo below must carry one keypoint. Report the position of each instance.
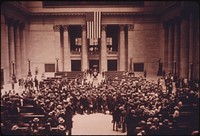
(27, 113)
(114, 74)
(69, 75)
(65, 74)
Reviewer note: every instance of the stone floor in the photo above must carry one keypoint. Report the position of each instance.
(94, 124)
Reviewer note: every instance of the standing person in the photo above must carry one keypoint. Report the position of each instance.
(145, 73)
(36, 83)
(20, 82)
(116, 118)
(131, 122)
(13, 84)
(68, 119)
(95, 73)
(103, 73)
(90, 71)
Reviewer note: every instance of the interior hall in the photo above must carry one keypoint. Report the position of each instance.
(99, 68)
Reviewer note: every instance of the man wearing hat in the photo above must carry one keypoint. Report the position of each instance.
(131, 122)
(35, 126)
(68, 118)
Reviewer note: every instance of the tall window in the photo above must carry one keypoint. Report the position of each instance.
(112, 32)
(49, 67)
(75, 32)
(94, 47)
(112, 65)
(76, 65)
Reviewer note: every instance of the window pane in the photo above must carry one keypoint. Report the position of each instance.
(109, 41)
(49, 67)
(138, 67)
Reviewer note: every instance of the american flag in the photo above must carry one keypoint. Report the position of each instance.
(93, 25)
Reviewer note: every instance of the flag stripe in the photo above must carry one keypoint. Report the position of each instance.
(93, 25)
(99, 25)
(96, 24)
(87, 29)
(92, 30)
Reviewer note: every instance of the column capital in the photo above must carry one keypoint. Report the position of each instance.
(22, 25)
(130, 27)
(83, 27)
(171, 22)
(56, 28)
(16, 23)
(177, 19)
(10, 21)
(65, 27)
(121, 27)
(165, 24)
(103, 27)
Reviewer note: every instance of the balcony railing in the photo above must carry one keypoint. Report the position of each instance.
(112, 52)
(75, 51)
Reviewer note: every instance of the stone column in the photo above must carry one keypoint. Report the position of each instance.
(122, 48)
(184, 48)
(58, 47)
(11, 44)
(103, 50)
(84, 60)
(166, 35)
(18, 51)
(5, 61)
(170, 47)
(196, 46)
(130, 45)
(177, 45)
(67, 55)
(23, 50)
(191, 46)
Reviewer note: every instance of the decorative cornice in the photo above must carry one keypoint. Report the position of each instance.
(129, 13)
(85, 13)
(58, 14)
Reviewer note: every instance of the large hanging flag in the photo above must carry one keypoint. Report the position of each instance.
(93, 20)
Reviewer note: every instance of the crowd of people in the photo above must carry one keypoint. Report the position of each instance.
(138, 106)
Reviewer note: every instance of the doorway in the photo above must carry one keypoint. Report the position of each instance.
(76, 65)
(112, 65)
(94, 64)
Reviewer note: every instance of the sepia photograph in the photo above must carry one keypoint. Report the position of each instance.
(99, 67)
